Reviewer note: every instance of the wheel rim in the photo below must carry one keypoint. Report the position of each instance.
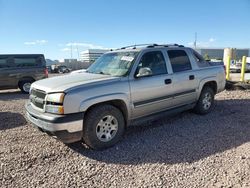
(207, 101)
(26, 87)
(106, 128)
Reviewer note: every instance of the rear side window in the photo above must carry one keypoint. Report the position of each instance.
(5, 63)
(179, 60)
(27, 61)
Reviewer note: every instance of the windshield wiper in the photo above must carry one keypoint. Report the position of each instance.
(102, 73)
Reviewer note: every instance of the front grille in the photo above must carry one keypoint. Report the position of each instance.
(38, 93)
(37, 98)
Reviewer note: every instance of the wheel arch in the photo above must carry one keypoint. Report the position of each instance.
(24, 79)
(118, 103)
(212, 85)
(209, 82)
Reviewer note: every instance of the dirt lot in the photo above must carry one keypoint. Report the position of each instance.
(183, 151)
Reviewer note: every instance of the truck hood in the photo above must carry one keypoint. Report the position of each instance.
(63, 83)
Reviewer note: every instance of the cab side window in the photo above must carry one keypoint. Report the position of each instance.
(200, 60)
(198, 57)
(154, 61)
(179, 60)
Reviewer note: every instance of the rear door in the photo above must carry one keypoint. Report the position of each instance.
(7, 80)
(185, 80)
(151, 94)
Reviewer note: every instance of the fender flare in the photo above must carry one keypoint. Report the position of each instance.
(204, 81)
(86, 104)
(24, 78)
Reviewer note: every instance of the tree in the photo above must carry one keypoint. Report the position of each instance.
(206, 57)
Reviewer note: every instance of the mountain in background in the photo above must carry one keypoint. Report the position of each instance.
(50, 62)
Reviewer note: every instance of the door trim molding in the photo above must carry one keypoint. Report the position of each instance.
(162, 98)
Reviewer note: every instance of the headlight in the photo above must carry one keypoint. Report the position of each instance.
(54, 103)
(55, 97)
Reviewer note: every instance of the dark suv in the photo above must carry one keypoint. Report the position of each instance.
(20, 70)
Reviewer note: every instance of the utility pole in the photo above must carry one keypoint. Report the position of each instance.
(77, 52)
(195, 40)
(71, 51)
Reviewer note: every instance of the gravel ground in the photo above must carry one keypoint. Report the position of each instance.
(182, 151)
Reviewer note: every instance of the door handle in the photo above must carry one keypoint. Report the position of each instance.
(168, 81)
(191, 77)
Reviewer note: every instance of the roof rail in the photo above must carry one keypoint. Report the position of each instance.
(150, 46)
(134, 46)
(169, 45)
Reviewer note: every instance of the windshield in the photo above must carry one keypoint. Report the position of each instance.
(114, 64)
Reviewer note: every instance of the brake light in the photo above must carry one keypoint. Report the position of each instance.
(46, 72)
(225, 70)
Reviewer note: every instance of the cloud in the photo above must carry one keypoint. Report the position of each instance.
(30, 43)
(68, 49)
(85, 45)
(212, 39)
(42, 41)
(65, 49)
(36, 42)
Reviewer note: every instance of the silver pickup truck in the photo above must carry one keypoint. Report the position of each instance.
(123, 87)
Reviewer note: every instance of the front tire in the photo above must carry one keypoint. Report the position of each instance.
(206, 101)
(104, 126)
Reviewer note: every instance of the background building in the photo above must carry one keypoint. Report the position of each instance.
(218, 53)
(70, 60)
(91, 55)
(74, 64)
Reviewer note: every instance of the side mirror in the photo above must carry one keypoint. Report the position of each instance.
(143, 72)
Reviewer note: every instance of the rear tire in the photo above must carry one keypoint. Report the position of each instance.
(206, 101)
(25, 86)
(103, 127)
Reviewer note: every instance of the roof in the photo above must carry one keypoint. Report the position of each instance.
(21, 54)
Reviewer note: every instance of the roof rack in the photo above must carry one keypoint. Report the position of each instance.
(150, 46)
(136, 45)
(166, 45)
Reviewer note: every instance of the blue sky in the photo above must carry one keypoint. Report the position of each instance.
(51, 26)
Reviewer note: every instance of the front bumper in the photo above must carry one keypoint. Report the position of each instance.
(67, 128)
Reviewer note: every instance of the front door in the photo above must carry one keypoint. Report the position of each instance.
(151, 85)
